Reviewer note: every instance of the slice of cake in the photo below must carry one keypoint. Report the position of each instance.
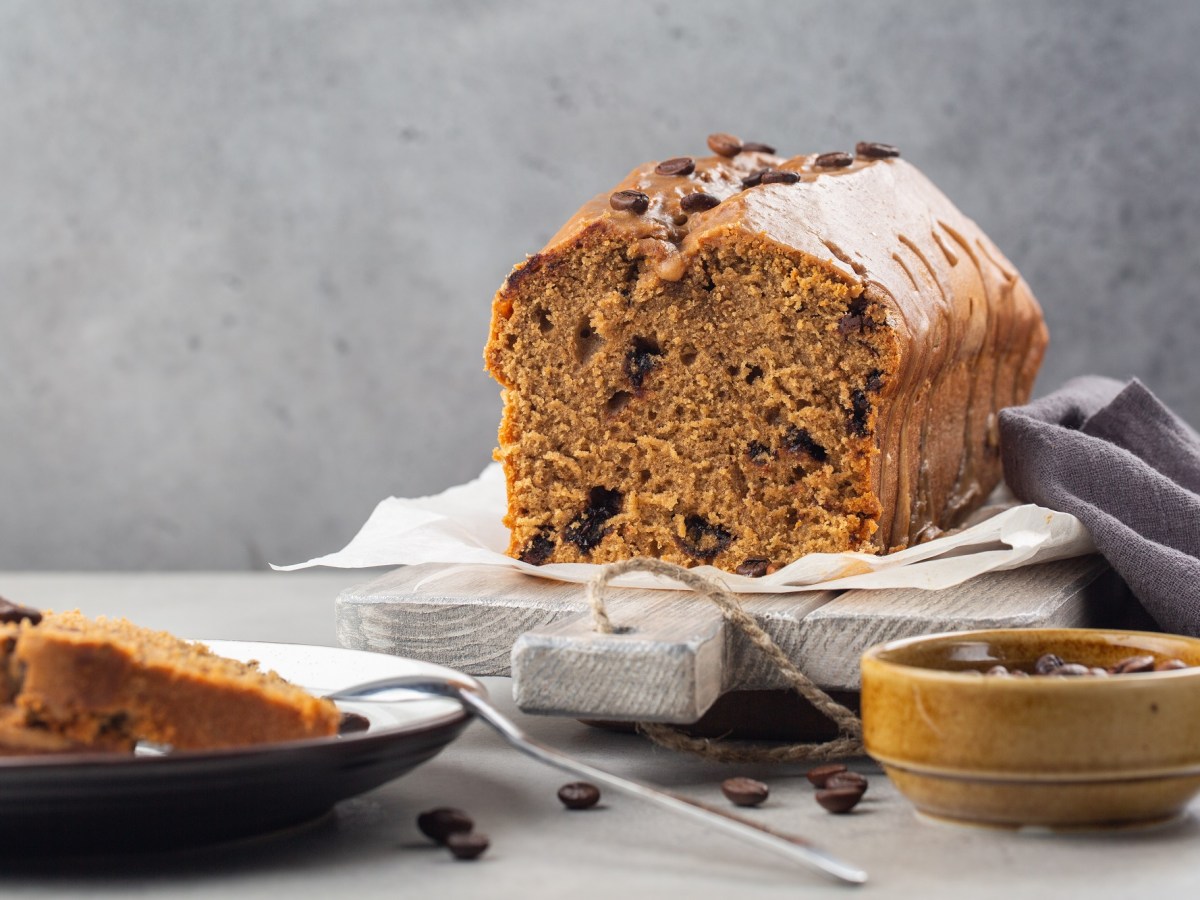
(742, 359)
(69, 683)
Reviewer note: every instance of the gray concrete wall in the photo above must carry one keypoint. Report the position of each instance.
(247, 249)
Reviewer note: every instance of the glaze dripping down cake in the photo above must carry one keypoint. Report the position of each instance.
(742, 359)
(73, 684)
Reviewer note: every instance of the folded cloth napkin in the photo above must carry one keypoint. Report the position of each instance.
(1114, 456)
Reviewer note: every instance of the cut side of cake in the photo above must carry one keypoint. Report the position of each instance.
(73, 684)
(742, 359)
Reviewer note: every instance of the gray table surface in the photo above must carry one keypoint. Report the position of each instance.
(370, 846)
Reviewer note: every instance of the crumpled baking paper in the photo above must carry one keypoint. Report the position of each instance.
(463, 525)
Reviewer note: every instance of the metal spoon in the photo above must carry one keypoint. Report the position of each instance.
(795, 848)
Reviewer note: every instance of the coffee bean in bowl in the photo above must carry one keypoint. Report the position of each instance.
(1047, 747)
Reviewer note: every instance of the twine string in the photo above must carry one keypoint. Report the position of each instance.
(849, 739)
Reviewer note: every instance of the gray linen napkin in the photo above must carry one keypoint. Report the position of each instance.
(1127, 467)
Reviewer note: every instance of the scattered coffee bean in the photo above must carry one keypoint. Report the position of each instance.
(579, 795)
(1168, 665)
(779, 176)
(11, 613)
(1130, 664)
(847, 779)
(353, 723)
(874, 150)
(754, 179)
(629, 201)
(756, 147)
(467, 845)
(744, 791)
(839, 800)
(438, 824)
(1047, 663)
(724, 144)
(838, 159)
(679, 165)
(754, 568)
(822, 774)
(698, 202)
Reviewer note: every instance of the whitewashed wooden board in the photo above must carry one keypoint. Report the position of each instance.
(678, 654)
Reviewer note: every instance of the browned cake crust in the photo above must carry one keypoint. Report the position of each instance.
(802, 362)
(72, 683)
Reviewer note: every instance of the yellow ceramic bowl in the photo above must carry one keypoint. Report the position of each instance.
(1038, 751)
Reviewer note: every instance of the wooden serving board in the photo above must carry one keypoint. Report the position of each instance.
(675, 654)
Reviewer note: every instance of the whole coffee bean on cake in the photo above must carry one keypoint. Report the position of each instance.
(73, 684)
(743, 357)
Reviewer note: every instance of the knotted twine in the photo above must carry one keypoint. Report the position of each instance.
(849, 739)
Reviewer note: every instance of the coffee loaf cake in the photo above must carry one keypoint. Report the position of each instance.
(742, 359)
(73, 684)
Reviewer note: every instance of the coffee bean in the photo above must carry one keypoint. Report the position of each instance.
(11, 613)
(822, 774)
(1019, 673)
(744, 791)
(847, 780)
(438, 824)
(353, 723)
(724, 144)
(874, 150)
(1168, 665)
(467, 845)
(679, 165)
(779, 176)
(1047, 663)
(997, 670)
(754, 179)
(629, 201)
(698, 202)
(753, 568)
(756, 147)
(838, 159)
(1071, 670)
(1130, 664)
(839, 800)
(579, 795)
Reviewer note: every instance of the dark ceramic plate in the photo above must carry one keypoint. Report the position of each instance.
(88, 804)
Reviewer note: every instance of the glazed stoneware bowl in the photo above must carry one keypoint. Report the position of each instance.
(1054, 752)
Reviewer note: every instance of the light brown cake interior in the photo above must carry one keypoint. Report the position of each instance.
(631, 395)
(73, 683)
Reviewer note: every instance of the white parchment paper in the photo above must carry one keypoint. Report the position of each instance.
(463, 525)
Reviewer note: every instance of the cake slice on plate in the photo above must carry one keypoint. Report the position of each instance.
(70, 683)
